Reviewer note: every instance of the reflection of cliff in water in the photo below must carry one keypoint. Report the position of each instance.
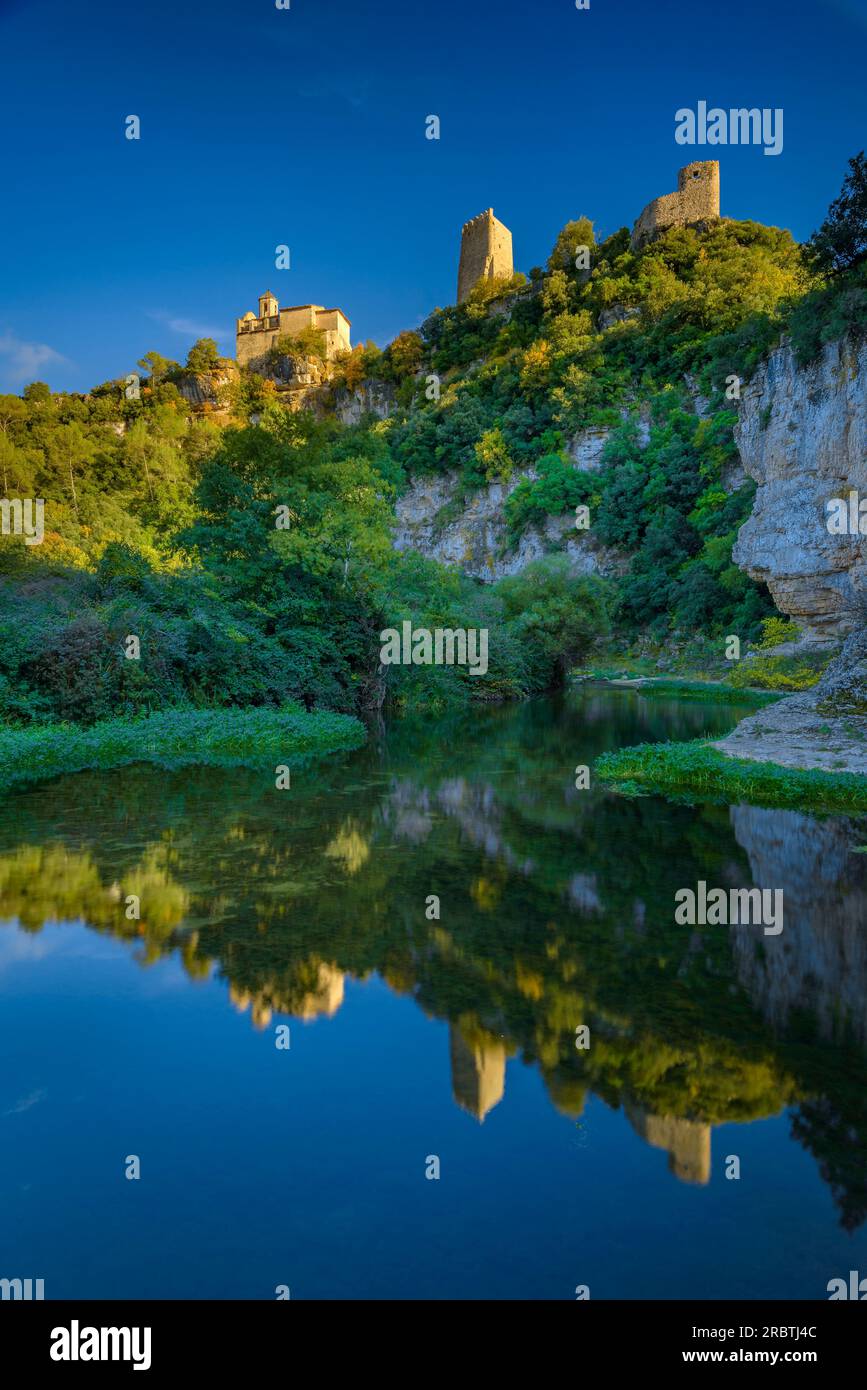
(818, 964)
(811, 980)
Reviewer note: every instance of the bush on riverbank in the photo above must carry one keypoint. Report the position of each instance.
(786, 674)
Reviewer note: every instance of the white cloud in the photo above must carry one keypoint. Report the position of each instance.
(26, 1103)
(188, 328)
(24, 361)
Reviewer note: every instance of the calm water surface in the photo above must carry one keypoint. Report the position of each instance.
(413, 1037)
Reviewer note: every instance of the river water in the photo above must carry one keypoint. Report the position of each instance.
(289, 1039)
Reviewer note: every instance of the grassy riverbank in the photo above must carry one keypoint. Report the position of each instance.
(695, 771)
(674, 688)
(174, 738)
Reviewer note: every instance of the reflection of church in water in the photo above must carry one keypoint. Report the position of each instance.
(325, 997)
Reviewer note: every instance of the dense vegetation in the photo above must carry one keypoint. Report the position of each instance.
(248, 548)
(151, 535)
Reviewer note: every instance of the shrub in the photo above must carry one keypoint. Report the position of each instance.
(779, 672)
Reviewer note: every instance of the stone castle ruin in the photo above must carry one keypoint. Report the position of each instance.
(255, 335)
(696, 200)
(486, 252)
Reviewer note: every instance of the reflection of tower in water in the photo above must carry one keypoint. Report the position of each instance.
(687, 1142)
(478, 1069)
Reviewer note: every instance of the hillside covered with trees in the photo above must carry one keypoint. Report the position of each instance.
(250, 549)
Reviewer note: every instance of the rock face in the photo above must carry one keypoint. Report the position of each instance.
(437, 519)
(469, 530)
(843, 687)
(802, 435)
(824, 727)
(208, 390)
(617, 313)
(369, 398)
(797, 733)
(291, 372)
(585, 450)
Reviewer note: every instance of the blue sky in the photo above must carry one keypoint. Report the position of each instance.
(306, 127)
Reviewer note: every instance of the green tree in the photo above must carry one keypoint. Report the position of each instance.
(405, 354)
(157, 366)
(203, 356)
(71, 450)
(559, 616)
(37, 392)
(492, 453)
(840, 244)
(574, 235)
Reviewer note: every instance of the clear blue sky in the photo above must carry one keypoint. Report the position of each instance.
(306, 127)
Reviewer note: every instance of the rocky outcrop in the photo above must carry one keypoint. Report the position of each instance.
(209, 390)
(616, 313)
(802, 435)
(843, 687)
(824, 727)
(369, 398)
(469, 531)
(795, 733)
(292, 371)
(585, 450)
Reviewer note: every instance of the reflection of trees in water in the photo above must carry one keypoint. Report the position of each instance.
(557, 910)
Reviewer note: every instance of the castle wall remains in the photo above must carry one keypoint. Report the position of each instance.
(696, 200)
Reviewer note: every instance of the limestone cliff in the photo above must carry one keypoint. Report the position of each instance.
(469, 531)
(209, 390)
(368, 398)
(802, 435)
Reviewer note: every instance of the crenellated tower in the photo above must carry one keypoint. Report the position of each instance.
(486, 252)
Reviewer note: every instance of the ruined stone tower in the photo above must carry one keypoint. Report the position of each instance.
(478, 1069)
(696, 200)
(486, 252)
(686, 1141)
